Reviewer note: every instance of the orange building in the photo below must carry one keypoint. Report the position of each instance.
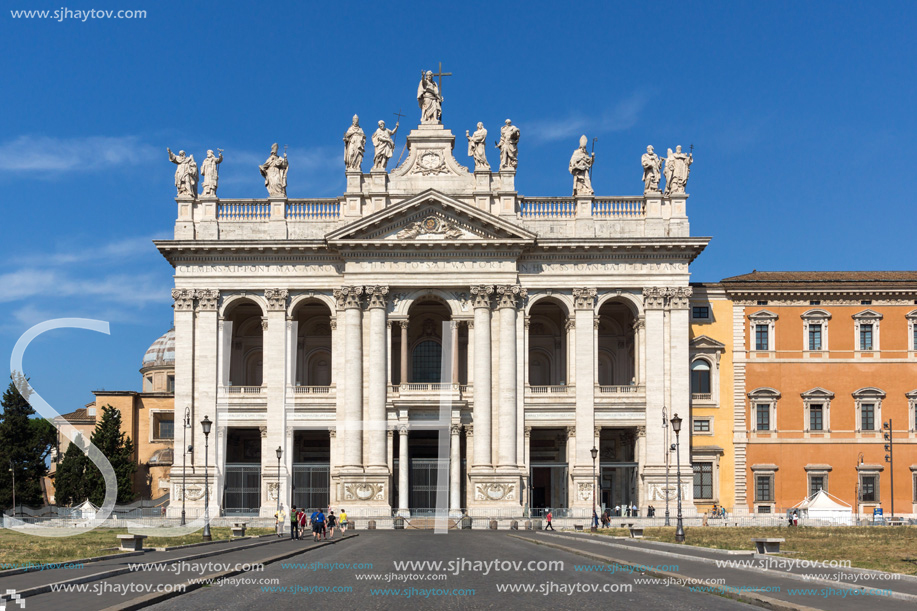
(823, 360)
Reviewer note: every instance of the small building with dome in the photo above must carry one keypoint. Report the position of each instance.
(147, 417)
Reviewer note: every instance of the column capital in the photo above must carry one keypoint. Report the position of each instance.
(570, 324)
(596, 321)
(507, 293)
(680, 296)
(332, 432)
(571, 431)
(480, 296)
(527, 431)
(184, 300)
(469, 430)
(639, 323)
(654, 297)
(276, 299)
(390, 433)
(455, 429)
(527, 322)
(597, 431)
(402, 429)
(334, 323)
(348, 297)
(376, 295)
(641, 431)
(207, 299)
(584, 299)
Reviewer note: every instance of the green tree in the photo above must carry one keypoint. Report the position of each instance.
(117, 447)
(69, 480)
(25, 443)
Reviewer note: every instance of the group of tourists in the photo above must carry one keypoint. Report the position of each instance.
(323, 525)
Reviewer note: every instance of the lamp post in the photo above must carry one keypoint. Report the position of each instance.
(279, 454)
(679, 529)
(205, 426)
(665, 426)
(13, 473)
(890, 459)
(186, 424)
(595, 452)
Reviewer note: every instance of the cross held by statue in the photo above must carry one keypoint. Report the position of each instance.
(441, 74)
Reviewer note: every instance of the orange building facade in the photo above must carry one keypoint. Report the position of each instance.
(824, 362)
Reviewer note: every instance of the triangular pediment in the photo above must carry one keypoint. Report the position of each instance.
(705, 343)
(430, 218)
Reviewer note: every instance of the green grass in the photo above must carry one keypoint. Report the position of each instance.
(883, 548)
(22, 548)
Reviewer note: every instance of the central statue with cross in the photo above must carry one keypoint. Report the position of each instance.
(429, 97)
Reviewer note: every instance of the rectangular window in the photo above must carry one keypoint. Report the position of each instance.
(816, 483)
(814, 302)
(867, 417)
(814, 337)
(915, 487)
(164, 427)
(702, 312)
(703, 480)
(763, 413)
(170, 384)
(865, 337)
(866, 302)
(764, 488)
(816, 415)
(701, 425)
(761, 337)
(764, 509)
(868, 489)
(762, 302)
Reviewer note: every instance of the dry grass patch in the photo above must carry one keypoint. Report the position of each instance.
(21, 548)
(883, 548)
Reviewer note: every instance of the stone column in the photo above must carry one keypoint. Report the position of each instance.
(404, 352)
(403, 467)
(274, 378)
(351, 438)
(654, 301)
(388, 354)
(584, 304)
(375, 431)
(455, 469)
(482, 376)
(569, 328)
(679, 380)
(640, 457)
(640, 349)
(454, 325)
(206, 380)
(506, 408)
(184, 372)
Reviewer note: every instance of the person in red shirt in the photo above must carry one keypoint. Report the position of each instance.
(549, 517)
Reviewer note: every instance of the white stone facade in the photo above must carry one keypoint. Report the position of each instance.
(321, 327)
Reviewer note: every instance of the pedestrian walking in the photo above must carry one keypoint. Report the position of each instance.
(303, 522)
(342, 518)
(617, 510)
(549, 517)
(332, 519)
(294, 523)
(279, 518)
(635, 511)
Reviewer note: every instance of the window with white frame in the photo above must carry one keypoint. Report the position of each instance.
(763, 402)
(705, 370)
(162, 425)
(912, 331)
(868, 409)
(702, 426)
(815, 330)
(912, 409)
(703, 480)
(817, 476)
(700, 379)
(866, 329)
(764, 488)
(869, 487)
(816, 407)
(763, 325)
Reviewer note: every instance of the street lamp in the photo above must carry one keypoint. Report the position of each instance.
(679, 529)
(665, 426)
(279, 454)
(186, 424)
(595, 452)
(14, 487)
(205, 426)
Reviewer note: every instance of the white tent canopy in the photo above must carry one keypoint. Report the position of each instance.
(85, 510)
(822, 505)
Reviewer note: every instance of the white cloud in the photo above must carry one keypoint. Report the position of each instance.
(91, 153)
(622, 116)
(132, 289)
(114, 252)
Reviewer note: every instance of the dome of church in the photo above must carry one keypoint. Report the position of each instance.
(162, 352)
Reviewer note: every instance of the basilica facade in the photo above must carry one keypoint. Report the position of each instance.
(432, 340)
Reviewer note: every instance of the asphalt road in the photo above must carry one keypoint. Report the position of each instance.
(379, 584)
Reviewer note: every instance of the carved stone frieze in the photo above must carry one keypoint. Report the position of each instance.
(584, 299)
(364, 492)
(494, 491)
(276, 299)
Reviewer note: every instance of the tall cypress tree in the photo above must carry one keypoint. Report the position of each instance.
(119, 449)
(25, 443)
(69, 480)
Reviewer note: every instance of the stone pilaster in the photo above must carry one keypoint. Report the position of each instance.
(274, 380)
(506, 408)
(205, 378)
(455, 468)
(403, 468)
(350, 419)
(481, 297)
(375, 428)
(584, 307)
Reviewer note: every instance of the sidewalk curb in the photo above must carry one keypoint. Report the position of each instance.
(191, 585)
(825, 582)
(42, 589)
(751, 598)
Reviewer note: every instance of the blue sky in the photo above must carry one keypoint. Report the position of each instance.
(801, 114)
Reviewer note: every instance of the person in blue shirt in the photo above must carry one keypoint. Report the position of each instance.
(318, 524)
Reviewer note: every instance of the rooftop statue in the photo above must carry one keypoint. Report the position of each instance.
(509, 146)
(476, 148)
(354, 145)
(677, 170)
(385, 146)
(429, 100)
(580, 164)
(210, 172)
(652, 166)
(274, 171)
(185, 174)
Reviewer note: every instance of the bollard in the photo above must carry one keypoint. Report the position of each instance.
(514, 525)
(493, 525)
(528, 525)
(371, 525)
(399, 523)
